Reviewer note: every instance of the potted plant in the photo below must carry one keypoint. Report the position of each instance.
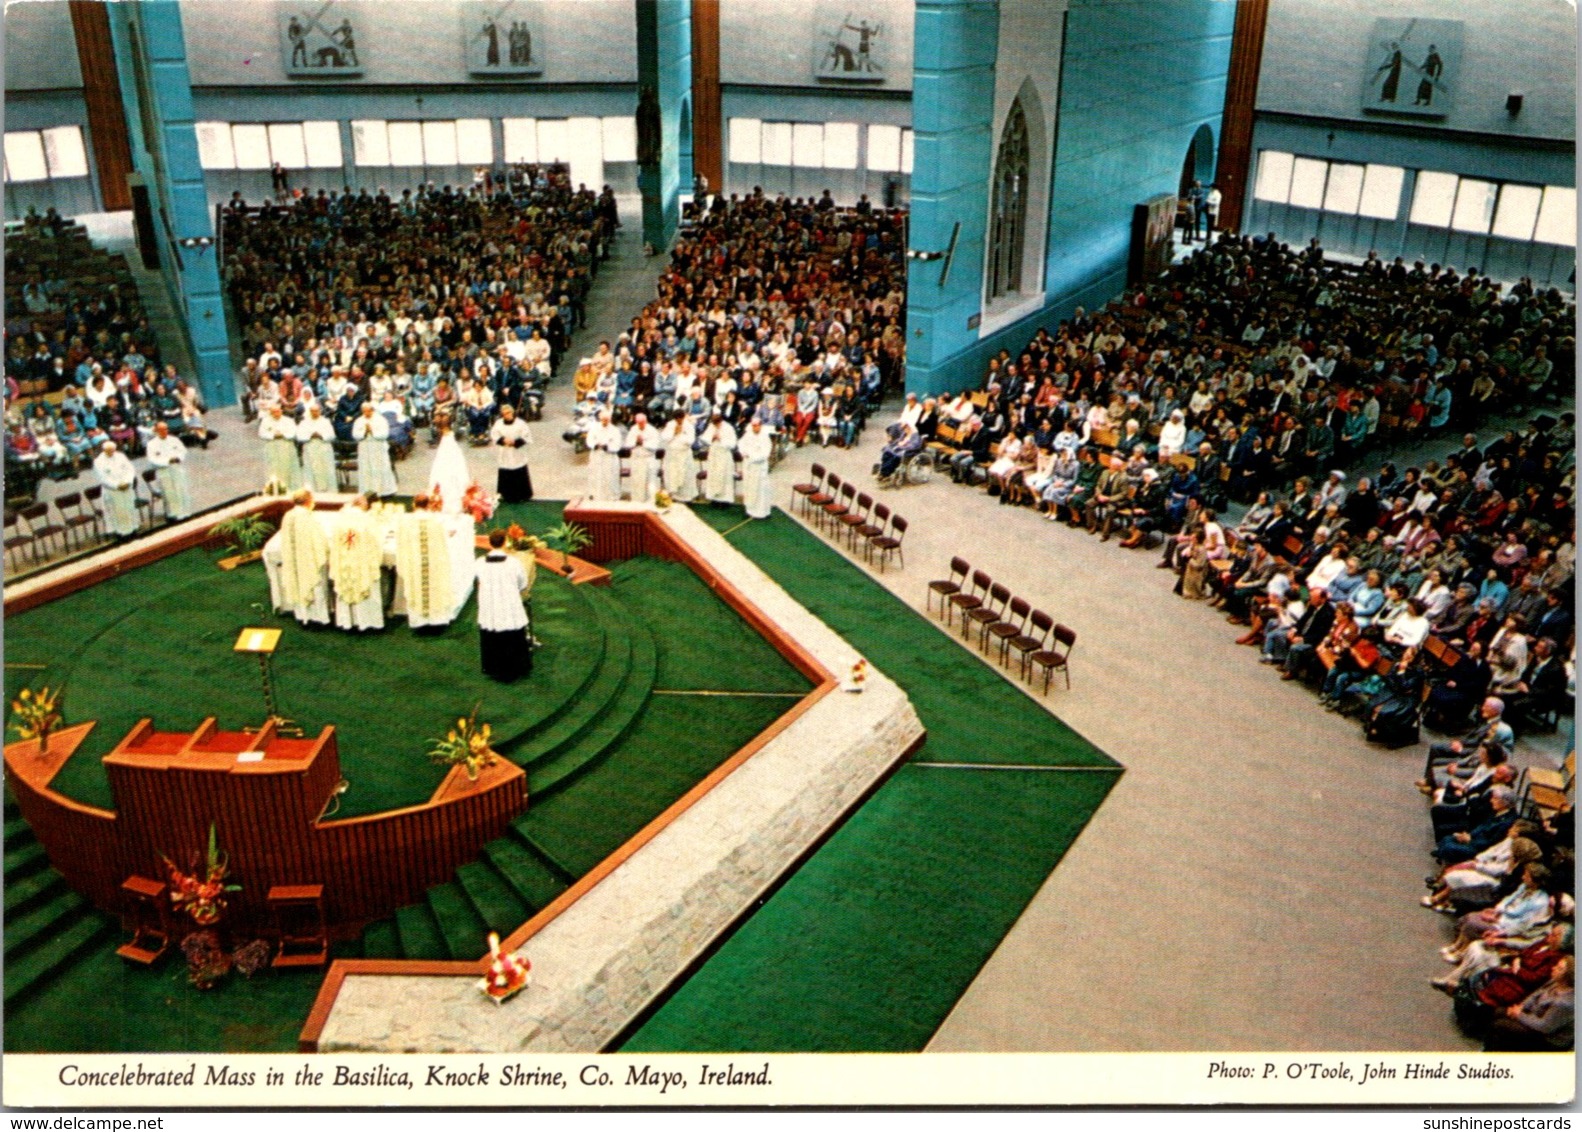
(36, 714)
(567, 539)
(466, 745)
(245, 534)
(200, 891)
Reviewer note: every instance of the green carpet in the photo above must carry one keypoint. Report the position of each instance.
(875, 938)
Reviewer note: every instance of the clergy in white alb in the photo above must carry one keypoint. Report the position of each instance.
(318, 450)
(279, 434)
(643, 443)
(604, 459)
(449, 477)
(756, 445)
(510, 437)
(298, 560)
(504, 640)
(356, 555)
(681, 465)
(434, 573)
(720, 484)
(118, 476)
(169, 459)
(371, 431)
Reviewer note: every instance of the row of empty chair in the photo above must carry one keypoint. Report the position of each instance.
(35, 534)
(1000, 616)
(837, 507)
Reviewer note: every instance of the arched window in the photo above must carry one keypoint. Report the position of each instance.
(1008, 228)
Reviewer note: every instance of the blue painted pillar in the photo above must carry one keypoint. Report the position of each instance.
(151, 55)
(956, 44)
(664, 65)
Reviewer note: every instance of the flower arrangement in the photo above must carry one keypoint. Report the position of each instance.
(467, 745)
(518, 539)
(35, 714)
(663, 499)
(507, 972)
(201, 893)
(478, 503)
(859, 675)
(208, 962)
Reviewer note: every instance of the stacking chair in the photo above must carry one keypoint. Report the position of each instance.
(1545, 791)
(17, 536)
(969, 598)
(1057, 657)
(40, 529)
(878, 524)
(804, 491)
(1007, 627)
(828, 489)
(72, 513)
(156, 497)
(945, 587)
(838, 509)
(825, 499)
(1031, 640)
(891, 543)
(987, 613)
(93, 499)
(857, 518)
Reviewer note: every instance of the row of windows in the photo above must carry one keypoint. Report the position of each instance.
(819, 145)
(1545, 214)
(375, 142)
(43, 155)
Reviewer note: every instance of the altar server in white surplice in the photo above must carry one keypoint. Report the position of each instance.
(643, 441)
(356, 554)
(503, 628)
(756, 444)
(604, 459)
(169, 458)
(317, 435)
(371, 431)
(279, 434)
(299, 553)
(510, 438)
(681, 465)
(118, 476)
(721, 481)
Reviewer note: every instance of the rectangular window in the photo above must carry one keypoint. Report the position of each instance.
(214, 145)
(1344, 191)
(807, 145)
(840, 145)
(746, 141)
(474, 141)
(1474, 206)
(1381, 192)
(1434, 199)
(552, 144)
(1307, 182)
(63, 152)
(251, 143)
(906, 152)
(884, 149)
(439, 143)
(322, 141)
(1517, 212)
(406, 143)
(286, 146)
(1557, 217)
(521, 140)
(777, 143)
(24, 156)
(370, 142)
(620, 140)
(1274, 176)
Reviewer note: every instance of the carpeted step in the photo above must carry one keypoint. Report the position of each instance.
(37, 926)
(583, 667)
(594, 744)
(531, 877)
(419, 933)
(381, 941)
(594, 700)
(496, 902)
(18, 833)
(26, 893)
(26, 975)
(24, 860)
(563, 872)
(460, 926)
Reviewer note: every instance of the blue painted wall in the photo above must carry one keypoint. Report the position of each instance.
(151, 58)
(664, 61)
(1138, 79)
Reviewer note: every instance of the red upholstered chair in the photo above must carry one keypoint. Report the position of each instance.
(1007, 627)
(987, 613)
(1057, 657)
(805, 491)
(969, 598)
(890, 544)
(945, 587)
(857, 517)
(1033, 638)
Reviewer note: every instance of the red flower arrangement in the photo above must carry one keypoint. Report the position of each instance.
(201, 892)
(478, 503)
